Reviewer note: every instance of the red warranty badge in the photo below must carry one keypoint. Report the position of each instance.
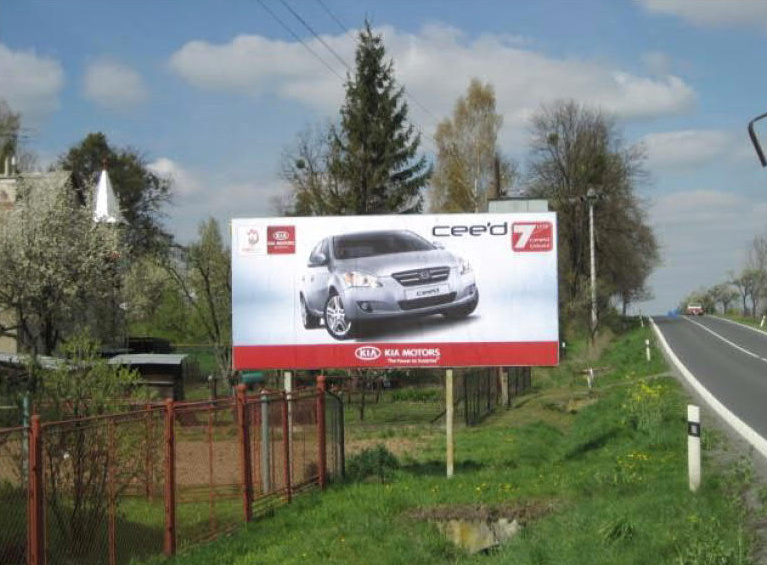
(532, 236)
(280, 239)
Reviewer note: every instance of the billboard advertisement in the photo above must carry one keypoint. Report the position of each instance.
(450, 290)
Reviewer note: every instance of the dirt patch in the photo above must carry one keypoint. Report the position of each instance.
(521, 512)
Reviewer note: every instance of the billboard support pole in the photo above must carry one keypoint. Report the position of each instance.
(449, 421)
(288, 376)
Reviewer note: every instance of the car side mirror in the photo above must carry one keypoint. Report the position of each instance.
(319, 260)
(438, 244)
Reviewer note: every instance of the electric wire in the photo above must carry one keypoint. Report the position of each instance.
(303, 22)
(315, 34)
(330, 13)
(301, 41)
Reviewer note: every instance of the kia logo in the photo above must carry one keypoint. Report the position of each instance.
(425, 275)
(281, 235)
(367, 353)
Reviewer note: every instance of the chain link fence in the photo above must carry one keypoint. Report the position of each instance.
(13, 497)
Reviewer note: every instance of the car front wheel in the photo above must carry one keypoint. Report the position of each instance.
(338, 325)
(309, 320)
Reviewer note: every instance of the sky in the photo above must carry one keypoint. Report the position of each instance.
(213, 93)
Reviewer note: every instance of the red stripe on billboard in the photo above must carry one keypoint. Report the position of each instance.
(393, 355)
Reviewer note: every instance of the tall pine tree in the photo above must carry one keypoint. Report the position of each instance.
(374, 150)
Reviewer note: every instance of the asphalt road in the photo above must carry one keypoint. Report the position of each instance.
(728, 359)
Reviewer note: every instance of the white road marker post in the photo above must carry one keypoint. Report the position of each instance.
(761, 324)
(590, 377)
(647, 350)
(693, 446)
(449, 421)
(641, 319)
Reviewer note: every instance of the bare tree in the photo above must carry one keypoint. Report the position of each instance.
(575, 148)
(306, 167)
(203, 272)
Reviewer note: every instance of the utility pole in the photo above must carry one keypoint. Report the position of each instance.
(591, 197)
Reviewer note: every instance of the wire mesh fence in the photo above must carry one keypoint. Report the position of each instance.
(13, 497)
(158, 478)
(477, 394)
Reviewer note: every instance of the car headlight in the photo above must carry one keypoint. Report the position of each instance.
(355, 278)
(465, 267)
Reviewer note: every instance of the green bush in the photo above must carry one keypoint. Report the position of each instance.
(375, 461)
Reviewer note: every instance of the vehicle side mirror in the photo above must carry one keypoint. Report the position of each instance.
(318, 260)
(438, 244)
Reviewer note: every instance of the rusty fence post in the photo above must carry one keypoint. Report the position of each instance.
(149, 472)
(170, 479)
(111, 492)
(245, 463)
(286, 446)
(36, 496)
(322, 459)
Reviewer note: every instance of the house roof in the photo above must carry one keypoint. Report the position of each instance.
(21, 360)
(148, 359)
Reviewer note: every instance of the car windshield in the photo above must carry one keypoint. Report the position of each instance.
(358, 245)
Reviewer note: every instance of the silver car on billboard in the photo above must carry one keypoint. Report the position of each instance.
(356, 278)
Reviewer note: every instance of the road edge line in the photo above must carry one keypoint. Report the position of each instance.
(743, 429)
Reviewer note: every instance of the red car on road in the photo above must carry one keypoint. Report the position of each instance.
(694, 310)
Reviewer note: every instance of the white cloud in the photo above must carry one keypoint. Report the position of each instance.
(436, 65)
(688, 148)
(184, 182)
(30, 83)
(113, 85)
(198, 196)
(712, 12)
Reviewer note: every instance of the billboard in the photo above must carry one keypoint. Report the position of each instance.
(450, 290)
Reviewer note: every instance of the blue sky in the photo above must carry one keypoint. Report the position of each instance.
(213, 92)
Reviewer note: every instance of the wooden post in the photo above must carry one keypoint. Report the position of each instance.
(169, 544)
(246, 475)
(449, 421)
(504, 387)
(322, 455)
(36, 500)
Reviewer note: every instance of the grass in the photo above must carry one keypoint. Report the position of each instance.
(747, 320)
(609, 463)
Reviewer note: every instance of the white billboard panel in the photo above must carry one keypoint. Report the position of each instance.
(449, 290)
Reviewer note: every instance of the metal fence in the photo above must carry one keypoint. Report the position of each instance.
(485, 389)
(160, 478)
(13, 497)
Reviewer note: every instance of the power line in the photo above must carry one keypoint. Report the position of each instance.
(301, 41)
(337, 56)
(315, 34)
(346, 31)
(330, 13)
